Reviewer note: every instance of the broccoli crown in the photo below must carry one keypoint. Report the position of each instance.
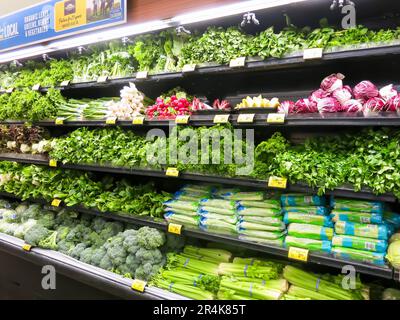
(77, 250)
(106, 263)
(116, 251)
(47, 219)
(126, 270)
(66, 218)
(97, 255)
(21, 208)
(86, 255)
(35, 234)
(65, 246)
(32, 212)
(132, 261)
(150, 238)
(111, 229)
(86, 219)
(153, 256)
(129, 233)
(130, 244)
(93, 239)
(63, 232)
(146, 271)
(77, 233)
(50, 242)
(98, 224)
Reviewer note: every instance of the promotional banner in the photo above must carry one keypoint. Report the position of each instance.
(58, 18)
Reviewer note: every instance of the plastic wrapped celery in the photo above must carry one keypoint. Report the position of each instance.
(198, 188)
(359, 217)
(181, 219)
(354, 254)
(302, 200)
(272, 221)
(219, 203)
(393, 218)
(257, 195)
(307, 218)
(191, 196)
(301, 230)
(223, 211)
(261, 234)
(374, 231)
(251, 211)
(357, 205)
(217, 226)
(266, 204)
(243, 225)
(183, 205)
(181, 212)
(232, 219)
(359, 243)
(318, 210)
(275, 242)
(310, 244)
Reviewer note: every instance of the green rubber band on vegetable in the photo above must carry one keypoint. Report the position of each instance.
(186, 262)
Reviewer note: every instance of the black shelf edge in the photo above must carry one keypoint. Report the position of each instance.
(345, 191)
(260, 120)
(314, 258)
(252, 64)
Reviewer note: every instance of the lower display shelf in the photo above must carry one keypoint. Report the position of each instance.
(345, 191)
(102, 280)
(328, 260)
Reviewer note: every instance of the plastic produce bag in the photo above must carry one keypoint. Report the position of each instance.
(261, 212)
(310, 244)
(10, 215)
(261, 234)
(393, 254)
(257, 195)
(224, 211)
(359, 243)
(302, 200)
(357, 205)
(198, 188)
(358, 217)
(272, 221)
(307, 218)
(354, 254)
(172, 217)
(181, 212)
(232, 219)
(318, 210)
(219, 203)
(310, 231)
(183, 205)
(217, 226)
(243, 225)
(275, 242)
(266, 204)
(191, 196)
(374, 231)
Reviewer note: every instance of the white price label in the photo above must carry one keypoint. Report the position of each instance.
(189, 67)
(310, 54)
(102, 79)
(246, 118)
(142, 74)
(238, 62)
(65, 83)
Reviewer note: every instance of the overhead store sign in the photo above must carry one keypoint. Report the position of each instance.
(54, 19)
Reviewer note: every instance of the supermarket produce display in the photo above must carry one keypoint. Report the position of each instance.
(226, 163)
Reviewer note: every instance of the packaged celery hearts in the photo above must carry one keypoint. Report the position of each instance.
(276, 242)
(374, 231)
(181, 212)
(301, 230)
(198, 188)
(290, 217)
(357, 205)
(392, 217)
(217, 226)
(359, 243)
(302, 200)
(359, 217)
(232, 219)
(261, 212)
(318, 210)
(183, 205)
(261, 234)
(265, 204)
(172, 217)
(310, 244)
(219, 203)
(256, 195)
(243, 225)
(364, 256)
(272, 221)
(223, 211)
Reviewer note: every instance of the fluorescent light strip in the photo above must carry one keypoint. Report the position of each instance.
(126, 31)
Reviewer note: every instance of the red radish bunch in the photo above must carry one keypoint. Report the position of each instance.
(168, 108)
(221, 105)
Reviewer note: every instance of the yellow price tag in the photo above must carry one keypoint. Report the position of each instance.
(311, 54)
(298, 254)
(277, 182)
(172, 172)
(138, 285)
(221, 118)
(276, 118)
(36, 87)
(238, 62)
(102, 79)
(181, 119)
(59, 121)
(142, 74)
(65, 83)
(245, 118)
(175, 228)
(111, 120)
(26, 247)
(10, 90)
(189, 67)
(52, 163)
(56, 202)
(138, 120)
